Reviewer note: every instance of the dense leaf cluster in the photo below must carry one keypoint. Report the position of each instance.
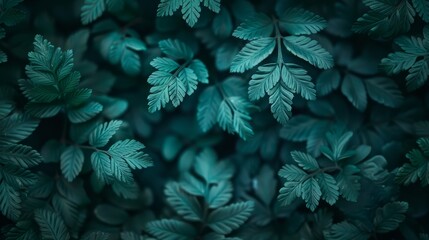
(214, 119)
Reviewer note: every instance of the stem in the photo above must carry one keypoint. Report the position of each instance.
(327, 169)
(278, 39)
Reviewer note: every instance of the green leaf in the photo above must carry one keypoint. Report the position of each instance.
(390, 216)
(10, 201)
(101, 164)
(101, 135)
(84, 112)
(384, 91)
(257, 26)
(311, 193)
(354, 90)
(130, 151)
(91, 10)
(327, 82)
(208, 108)
(20, 155)
(200, 70)
(226, 219)
(168, 7)
(309, 50)
(171, 230)
(164, 64)
(16, 128)
(418, 74)
(422, 8)
(191, 11)
(252, 54)
(328, 187)
(298, 21)
(234, 116)
(176, 49)
(263, 80)
(213, 5)
(281, 102)
(51, 225)
(305, 161)
(298, 80)
(219, 194)
(212, 171)
(349, 183)
(71, 162)
(345, 230)
(183, 203)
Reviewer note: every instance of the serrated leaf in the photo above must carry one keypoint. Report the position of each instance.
(390, 216)
(91, 10)
(349, 183)
(208, 107)
(309, 50)
(171, 230)
(384, 91)
(264, 79)
(101, 135)
(311, 193)
(345, 230)
(354, 90)
(305, 161)
(257, 26)
(298, 21)
(183, 203)
(328, 187)
(252, 54)
(71, 162)
(51, 225)
(10, 201)
(226, 219)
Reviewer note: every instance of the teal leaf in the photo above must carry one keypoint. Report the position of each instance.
(51, 225)
(71, 162)
(384, 91)
(171, 230)
(101, 135)
(252, 54)
(390, 216)
(354, 90)
(91, 10)
(183, 203)
(257, 26)
(309, 50)
(297, 21)
(226, 219)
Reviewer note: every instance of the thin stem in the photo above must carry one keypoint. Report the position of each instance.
(279, 41)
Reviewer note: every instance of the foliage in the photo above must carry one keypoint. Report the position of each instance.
(209, 119)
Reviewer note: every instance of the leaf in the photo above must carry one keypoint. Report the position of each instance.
(101, 135)
(208, 107)
(84, 113)
(71, 162)
(213, 5)
(101, 164)
(252, 54)
(263, 80)
(91, 10)
(384, 91)
(311, 193)
(212, 171)
(183, 203)
(327, 82)
(168, 7)
(345, 230)
(171, 230)
(349, 183)
(422, 8)
(226, 219)
(10, 201)
(191, 11)
(234, 116)
(130, 151)
(354, 90)
(164, 64)
(20, 155)
(219, 194)
(309, 50)
(305, 161)
(257, 26)
(176, 49)
(418, 74)
(390, 216)
(328, 187)
(297, 21)
(281, 102)
(51, 225)
(297, 79)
